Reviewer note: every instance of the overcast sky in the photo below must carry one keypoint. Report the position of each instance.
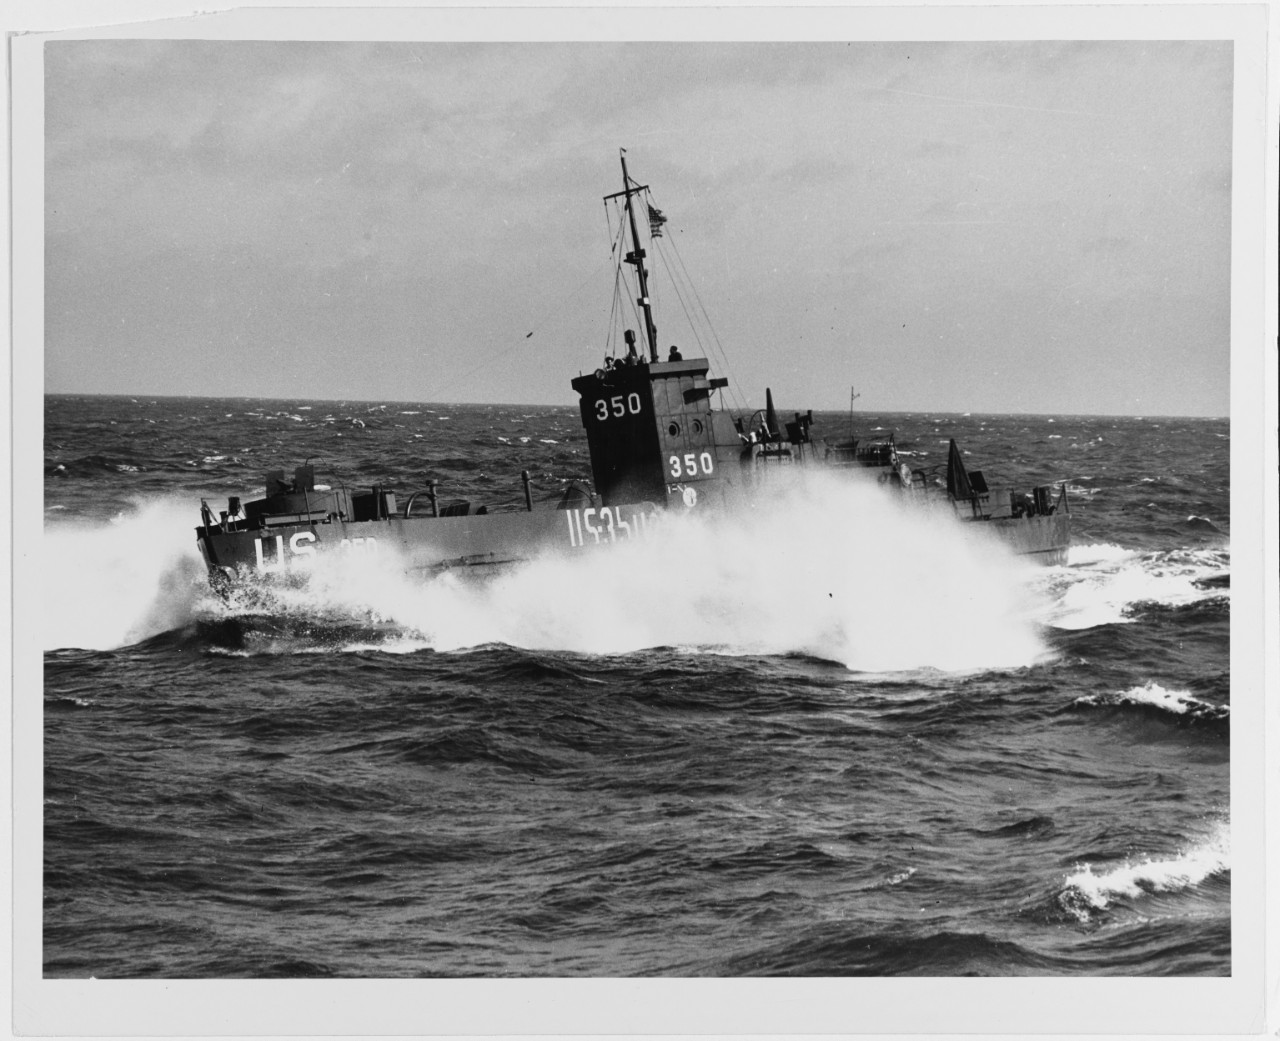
(1003, 227)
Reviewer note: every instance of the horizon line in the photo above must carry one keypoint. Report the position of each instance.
(569, 405)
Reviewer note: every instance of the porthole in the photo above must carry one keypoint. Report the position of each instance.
(674, 429)
(697, 426)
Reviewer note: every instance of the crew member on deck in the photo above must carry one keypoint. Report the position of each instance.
(675, 354)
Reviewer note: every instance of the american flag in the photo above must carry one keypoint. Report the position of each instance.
(656, 221)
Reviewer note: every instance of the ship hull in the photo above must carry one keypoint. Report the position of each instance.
(1044, 540)
(433, 544)
(422, 544)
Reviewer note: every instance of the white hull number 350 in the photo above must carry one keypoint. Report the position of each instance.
(618, 406)
(691, 465)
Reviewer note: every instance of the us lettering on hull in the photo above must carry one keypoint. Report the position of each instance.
(604, 524)
(270, 555)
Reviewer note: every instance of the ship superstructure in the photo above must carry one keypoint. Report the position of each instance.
(657, 441)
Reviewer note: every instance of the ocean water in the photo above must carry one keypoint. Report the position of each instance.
(832, 737)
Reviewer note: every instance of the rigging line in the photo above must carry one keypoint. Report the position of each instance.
(462, 377)
(608, 229)
(559, 304)
(694, 290)
(632, 284)
(610, 341)
(724, 358)
(622, 281)
(693, 328)
(479, 368)
(682, 286)
(610, 345)
(675, 276)
(637, 316)
(619, 287)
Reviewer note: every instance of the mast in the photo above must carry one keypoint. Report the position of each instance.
(636, 257)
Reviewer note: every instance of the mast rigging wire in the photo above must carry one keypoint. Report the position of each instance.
(688, 280)
(619, 279)
(558, 306)
(676, 277)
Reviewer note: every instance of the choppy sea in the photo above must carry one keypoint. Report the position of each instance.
(830, 738)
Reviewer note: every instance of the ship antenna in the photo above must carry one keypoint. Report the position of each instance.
(636, 257)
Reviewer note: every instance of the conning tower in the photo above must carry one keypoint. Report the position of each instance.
(651, 430)
(653, 434)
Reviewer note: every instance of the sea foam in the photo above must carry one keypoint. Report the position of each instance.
(1086, 891)
(838, 571)
(1176, 702)
(1103, 583)
(111, 585)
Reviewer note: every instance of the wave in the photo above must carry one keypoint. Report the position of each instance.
(1097, 553)
(1197, 523)
(1037, 827)
(909, 591)
(280, 633)
(836, 949)
(838, 571)
(112, 585)
(1178, 703)
(1085, 892)
(1106, 584)
(92, 465)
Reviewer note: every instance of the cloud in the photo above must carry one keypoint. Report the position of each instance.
(447, 192)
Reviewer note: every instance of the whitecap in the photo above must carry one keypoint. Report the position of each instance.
(1179, 702)
(843, 606)
(1097, 553)
(1199, 523)
(1086, 891)
(1104, 582)
(87, 565)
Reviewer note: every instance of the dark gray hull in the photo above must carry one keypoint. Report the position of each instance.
(423, 544)
(432, 544)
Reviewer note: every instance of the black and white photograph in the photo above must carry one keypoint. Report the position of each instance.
(642, 494)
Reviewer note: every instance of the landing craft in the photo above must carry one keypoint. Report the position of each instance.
(657, 444)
